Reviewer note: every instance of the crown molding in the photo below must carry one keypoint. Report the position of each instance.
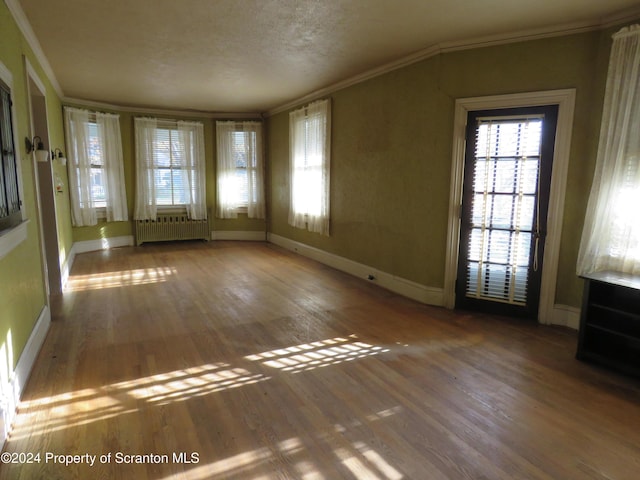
(613, 20)
(161, 111)
(467, 44)
(623, 16)
(25, 27)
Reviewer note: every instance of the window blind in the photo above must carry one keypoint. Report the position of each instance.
(244, 144)
(505, 186)
(96, 156)
(170, 167)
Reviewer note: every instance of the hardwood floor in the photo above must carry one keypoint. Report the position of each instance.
(244, 361)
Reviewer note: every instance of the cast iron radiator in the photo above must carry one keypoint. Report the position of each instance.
(171, 226)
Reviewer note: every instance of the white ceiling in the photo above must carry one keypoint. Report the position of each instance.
(257, 55)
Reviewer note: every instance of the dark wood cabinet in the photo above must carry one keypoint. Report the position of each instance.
(610, 321)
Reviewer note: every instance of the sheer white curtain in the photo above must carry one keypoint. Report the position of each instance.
(240, 169)
(83, 213)
(170, 167)
(611, 235)
(110, 163)
(310, 146)
(114, 187)
(191, 139)
(146, 205)
(228, 193)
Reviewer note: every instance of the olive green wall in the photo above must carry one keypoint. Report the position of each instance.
(391, 162)
(392, 151)
(106, 229)
(22, 288)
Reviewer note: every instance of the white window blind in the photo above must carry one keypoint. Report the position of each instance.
(505, 185)
(170, 168)
(98, 193)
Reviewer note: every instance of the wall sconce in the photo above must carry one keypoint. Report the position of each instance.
(41, 154)
(59, 154)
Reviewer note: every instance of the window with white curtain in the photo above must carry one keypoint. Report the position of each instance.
(611, 235)
(310, 145)
(96, 172)
(170, 166)
(240, 186)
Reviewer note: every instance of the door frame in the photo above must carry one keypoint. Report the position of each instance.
(565, 99)
(44, 184)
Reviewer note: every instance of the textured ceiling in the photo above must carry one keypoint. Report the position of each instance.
(255, 55)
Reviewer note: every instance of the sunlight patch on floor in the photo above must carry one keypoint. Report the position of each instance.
(376, 461)
(308, 356)
(124, 278)
(71, 409)
(242, 464)
(359, 459)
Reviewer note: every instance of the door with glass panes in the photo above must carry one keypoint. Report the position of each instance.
(507, 180)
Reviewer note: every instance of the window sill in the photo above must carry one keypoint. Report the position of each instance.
(176, 209)
(11, 238)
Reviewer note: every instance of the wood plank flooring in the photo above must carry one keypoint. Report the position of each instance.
(243, 361)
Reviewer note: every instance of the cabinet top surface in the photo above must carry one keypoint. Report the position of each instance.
(616, 278)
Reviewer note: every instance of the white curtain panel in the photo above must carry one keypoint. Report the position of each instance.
(111, 142)
(83, 212)
(146, 207)
(83, 209)
(191, 137)
(227, 191)
(310, 145)
(611, 235)
(229, 197)
(255, 169)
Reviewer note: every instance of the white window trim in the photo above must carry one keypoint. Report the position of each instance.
(565, 99)
(12, 237)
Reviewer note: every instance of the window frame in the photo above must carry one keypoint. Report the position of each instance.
(101, 210)
(243, 204)
(13, 235)
(89, 133)
(190, 134)
(172, 130)
(236, 140)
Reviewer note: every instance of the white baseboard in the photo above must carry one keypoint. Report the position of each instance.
(566, 316)
(102, 244)
(251, 236)
(67, 265)
(12, 390)
(401, 286)
(92, 246)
